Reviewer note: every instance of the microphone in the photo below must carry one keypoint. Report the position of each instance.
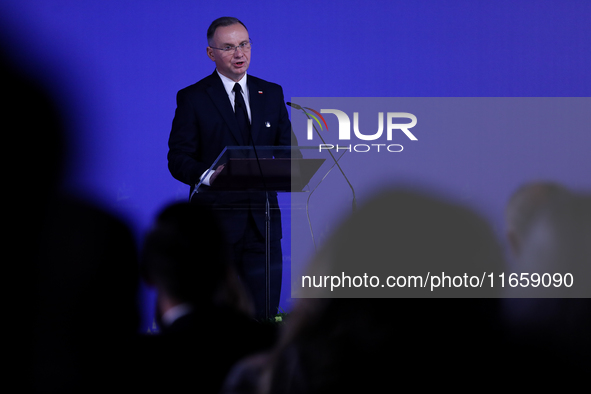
(354, 202)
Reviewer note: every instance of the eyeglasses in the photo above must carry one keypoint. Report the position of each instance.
(245, 46)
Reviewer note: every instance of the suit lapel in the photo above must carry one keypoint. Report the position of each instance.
(220, 98)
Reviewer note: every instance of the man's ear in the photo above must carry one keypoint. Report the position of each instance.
(210, 53)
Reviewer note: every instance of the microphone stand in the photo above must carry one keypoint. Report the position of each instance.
(354, 201)
(267, 232)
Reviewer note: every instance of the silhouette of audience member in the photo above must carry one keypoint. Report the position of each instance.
(186, 264)
(75, 266)
(87, 286)
(204, 313)
(349, 341)
(557, 240)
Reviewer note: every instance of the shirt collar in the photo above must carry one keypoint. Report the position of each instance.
(229, 84)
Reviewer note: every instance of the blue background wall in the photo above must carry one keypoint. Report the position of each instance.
(117, 65)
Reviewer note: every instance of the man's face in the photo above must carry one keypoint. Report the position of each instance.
(234, 63)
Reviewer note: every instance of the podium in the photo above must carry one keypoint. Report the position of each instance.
(267, 169)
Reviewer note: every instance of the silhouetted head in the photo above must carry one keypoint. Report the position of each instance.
(184, 256)
(337, 339)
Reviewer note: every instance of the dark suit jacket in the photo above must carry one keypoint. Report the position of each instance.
(198, 350)
(204, 124)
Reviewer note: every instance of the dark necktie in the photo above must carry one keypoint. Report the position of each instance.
(241, 112)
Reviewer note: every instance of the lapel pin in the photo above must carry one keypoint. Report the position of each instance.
(267, 124)
(260, 92)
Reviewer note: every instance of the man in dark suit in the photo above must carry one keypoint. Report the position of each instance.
(204, 315)
(231, 108)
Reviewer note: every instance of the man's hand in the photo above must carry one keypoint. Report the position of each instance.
(215, 174)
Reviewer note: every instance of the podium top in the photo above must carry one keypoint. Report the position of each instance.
(269, 168)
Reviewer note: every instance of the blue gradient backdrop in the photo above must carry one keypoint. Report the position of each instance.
(117, 65)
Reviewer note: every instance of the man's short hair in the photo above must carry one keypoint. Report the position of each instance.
(220, 22)
(183, 254)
